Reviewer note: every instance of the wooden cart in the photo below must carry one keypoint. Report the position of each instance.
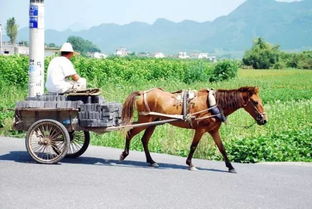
(57, 132)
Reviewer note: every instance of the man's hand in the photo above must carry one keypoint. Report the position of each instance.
(75, 77)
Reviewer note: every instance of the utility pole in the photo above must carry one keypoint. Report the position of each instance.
(36, 49)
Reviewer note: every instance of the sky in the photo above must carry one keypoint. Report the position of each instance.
(62, 14)
(81, 14)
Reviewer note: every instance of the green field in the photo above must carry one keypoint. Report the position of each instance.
(287, 97)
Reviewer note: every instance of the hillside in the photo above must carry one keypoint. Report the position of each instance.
(286, 24)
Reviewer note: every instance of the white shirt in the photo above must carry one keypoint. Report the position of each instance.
(59, 68)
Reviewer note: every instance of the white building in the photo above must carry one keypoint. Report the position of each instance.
(9, 49)
(122, 52)
(99, 55)
(183, 55)
(159, 55)
(212, 58)
(50, 51)
(202, 56)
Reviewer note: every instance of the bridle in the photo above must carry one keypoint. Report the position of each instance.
(260, 115)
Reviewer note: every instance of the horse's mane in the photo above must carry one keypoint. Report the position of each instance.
(233, 98)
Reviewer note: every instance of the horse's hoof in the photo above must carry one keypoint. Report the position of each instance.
(154, 165)
(121, 158)
(193, 168)
(232, 170)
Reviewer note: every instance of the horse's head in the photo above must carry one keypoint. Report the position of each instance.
(253, 104)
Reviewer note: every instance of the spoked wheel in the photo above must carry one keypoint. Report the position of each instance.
(47, 141)
(79, 142)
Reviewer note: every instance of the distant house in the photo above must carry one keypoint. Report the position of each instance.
(202, 56)
(50, 51)
(143, 54)
(159, 55)
(212, 58)
(122, 52)
(183, 55)
(9, 49)
(99, 55)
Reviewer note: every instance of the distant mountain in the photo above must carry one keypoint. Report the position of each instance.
(286, 24)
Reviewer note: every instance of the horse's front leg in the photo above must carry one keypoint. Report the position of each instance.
(198, 135)
(217, 139)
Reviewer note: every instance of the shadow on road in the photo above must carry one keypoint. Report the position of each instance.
(23, 157)
(17, 156)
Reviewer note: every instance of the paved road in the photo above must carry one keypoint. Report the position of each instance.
(98, 180)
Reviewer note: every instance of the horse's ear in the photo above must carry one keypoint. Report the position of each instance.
(247, 92)
(253, 90)
(250, 90)
(256, 90)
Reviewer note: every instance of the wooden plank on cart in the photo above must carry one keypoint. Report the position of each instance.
(86, 92)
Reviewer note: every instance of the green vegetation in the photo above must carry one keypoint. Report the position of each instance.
(286, 94)
(81, 45)
(283, 146)
(264, 55)
(301, 60)
(141, 70)
(224, 71)
(11, 29)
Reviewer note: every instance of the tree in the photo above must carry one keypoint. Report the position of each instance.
(52, 45)
(224, 70)
(262, 55)
(305, 60)
(83, 46)
(11, 30)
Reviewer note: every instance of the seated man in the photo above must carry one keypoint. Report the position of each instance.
(60, 71)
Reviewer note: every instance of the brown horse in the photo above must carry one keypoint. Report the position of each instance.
(159, 101)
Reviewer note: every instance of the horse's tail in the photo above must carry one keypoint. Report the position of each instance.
(128, 107)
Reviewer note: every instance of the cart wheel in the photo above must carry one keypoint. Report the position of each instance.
(79, 142)
(47, 141)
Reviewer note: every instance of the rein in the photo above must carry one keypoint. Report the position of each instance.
(246, 127)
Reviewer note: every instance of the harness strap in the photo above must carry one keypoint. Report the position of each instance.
(205, 110)
(184, 103)
(180, 117)
(205, 117)
(145, 101)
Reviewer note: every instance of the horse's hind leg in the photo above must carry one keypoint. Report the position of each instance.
(145, 139)
(130, 135)
(198, 135)
(217, 139)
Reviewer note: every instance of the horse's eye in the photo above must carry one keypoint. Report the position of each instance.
(256, 103)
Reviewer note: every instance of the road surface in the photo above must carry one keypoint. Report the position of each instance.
(98, 180)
